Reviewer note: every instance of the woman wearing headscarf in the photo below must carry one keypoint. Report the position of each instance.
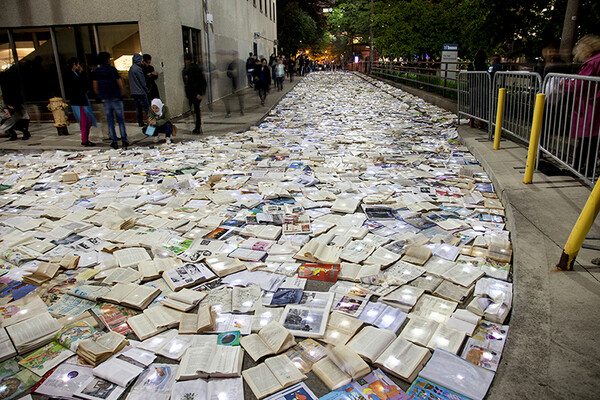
(160, 119)
(80, 104)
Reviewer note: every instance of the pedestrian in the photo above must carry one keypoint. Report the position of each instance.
(279, 74)
(585, 124)
(16, 118)
(233, 75)
(262, 80)
(108, 85)
(477, 88)
(138, 89)
(272, 64)
(291, 68)
(250, 65)
(160, 119)
(151, 76)
(496, 66)
(195, 88)
(76, 88)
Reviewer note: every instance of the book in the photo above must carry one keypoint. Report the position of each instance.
(210, 359)
(7, 350)
(203, 320)
(155, 382)
(184, 300)
(294, 392)
(114, 317)
(449, 371)
(425, 389)
(95, 388)
(21, 309)
(340, 328)
(383, 316)
(375, 385)
(223, 265)
(371, 342)
(33, 333)
(131, 295)
(340, 367)
(271, 376)
(485, 347)
(64, 381)
(272, 339)
(286, 296)
(403, 359)
(309, 317)
(320, 272)
(124, 367)
(153, 321)
(225, 388)
(98, 349)
(305, 354)
(404, 298)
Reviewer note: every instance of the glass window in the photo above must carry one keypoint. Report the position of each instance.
(122, 41)
(37, 67)
(77, 41)
(9, 74)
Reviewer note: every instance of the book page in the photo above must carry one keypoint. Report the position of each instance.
(188, 323)
(402, 358)
(188, 296)
(33, 329)
(261, 380)
(118, 371)
(276, 337)
(285, 371)
(349, 361)
(140, 296)
(255, 346)
(331, 375)
(195, 361)
(119, 292)
(370, 342)
(225, 360)
(142, 326)
(131, 257)
(206, 319)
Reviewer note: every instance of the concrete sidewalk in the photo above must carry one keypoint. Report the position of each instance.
(552, 349)
(44, 136)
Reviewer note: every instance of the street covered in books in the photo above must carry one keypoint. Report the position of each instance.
(348, 245)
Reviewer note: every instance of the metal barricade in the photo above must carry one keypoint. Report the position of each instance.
(474, 96)
(572, 123)
(521, 89)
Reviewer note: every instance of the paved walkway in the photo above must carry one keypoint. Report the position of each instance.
(44, 136)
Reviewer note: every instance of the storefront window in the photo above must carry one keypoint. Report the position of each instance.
(76, 41)
(122, 41)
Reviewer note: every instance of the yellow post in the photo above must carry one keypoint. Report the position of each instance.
(534, 138)
(499, 116)
(580, 230)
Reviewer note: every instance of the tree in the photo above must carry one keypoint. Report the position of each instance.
(298, 29)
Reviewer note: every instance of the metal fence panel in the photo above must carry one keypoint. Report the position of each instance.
(474, 95)
(572, 123)
(521, 90)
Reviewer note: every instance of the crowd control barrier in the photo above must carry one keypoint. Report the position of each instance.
(474, 96)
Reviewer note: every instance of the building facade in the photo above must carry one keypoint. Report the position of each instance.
(37, 37)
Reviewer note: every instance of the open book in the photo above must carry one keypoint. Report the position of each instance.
(124, 367)
(153, 321)
(227, 389)
(272, 339)
(33, 333)
(403, 359)
(342, 365)
(211, 359)
(274, 374)
(188, 274)
(341, 328)
(183, 300)
(204, 320)
(131, 295)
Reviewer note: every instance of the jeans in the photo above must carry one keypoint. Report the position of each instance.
(116, 107)
(141, 104)
(250, 77)
(167, 129)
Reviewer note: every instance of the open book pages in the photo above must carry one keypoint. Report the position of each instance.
(203, 320)
(188, 274)
(274, 374)
(225, 389)
(124, 367)
(89, 292)
(245, 299)
(403, 359)
(183, 300)
(140, 297)
(309, 317)
(485, 347)
(446, 338)
(434, 308)
(383, 316)
(342, 365)
(464, 320)
(153, 321)
(219, 299)
(370, 342)
(96, 388)
(155, 382)
(210, 360)
(340, 328)
(272, 339)
(417, 254)
(453, 292)
(419, 329)
(405, 297)
(22, 309)
(7, 350)
(121, 275)
(223, 265)
(131, 257)
(95, 351)
(33, 333)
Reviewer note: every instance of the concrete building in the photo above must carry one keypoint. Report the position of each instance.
(37, 37)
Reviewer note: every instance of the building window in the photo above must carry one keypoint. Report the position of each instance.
(260, 2)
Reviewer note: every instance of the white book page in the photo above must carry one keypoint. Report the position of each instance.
(261, 380)
(33, 329)
(370, 342)
(285, 371)
(225, 359)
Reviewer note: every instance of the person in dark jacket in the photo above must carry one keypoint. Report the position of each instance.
(108, 85)
(160, 119)
(16, 119)
(250, 65)
(138, 89)
(76, 88)
(262, 80)
(151, 76)
(195, 88)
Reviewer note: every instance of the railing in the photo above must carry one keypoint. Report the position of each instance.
(474, 96)
(521, 89)
(571, 124)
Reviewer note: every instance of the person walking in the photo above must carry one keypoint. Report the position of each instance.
(262, 80)
(272, 63)
(16, 119)
(195, 88)
(108, 85)
(291, 68)
(76, 88)
(160, 119)
(279, 74)
(250, 65)
(232, 74)
(151, 76)
(138, 89)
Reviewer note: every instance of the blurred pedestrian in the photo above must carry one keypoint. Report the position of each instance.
(250, 65)
(108, 85)
(262, 80)
(291, 68)
(138, 88)
(233, 75)
(151, 76)
(477, 88)
(585, 125)
(15, 119)
(77, 88)
(496, 66)
(279, 74)
(195, 88)
(272, 64)
(160, 119)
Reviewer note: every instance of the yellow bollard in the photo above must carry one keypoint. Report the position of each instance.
(580, 230)
(534, 138)
(499, 117)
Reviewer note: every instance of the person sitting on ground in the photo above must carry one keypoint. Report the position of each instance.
(160, 119)
(17, 119)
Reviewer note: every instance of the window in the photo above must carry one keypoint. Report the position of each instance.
(261, 7)
(254, 2)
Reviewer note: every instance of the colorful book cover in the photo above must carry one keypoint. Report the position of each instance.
(14, 289)
(346, 392)
(424, 389)
(286, 296)
(377, 385)
(114, 317)
(319, 272)
(230, 338)
(46, 358)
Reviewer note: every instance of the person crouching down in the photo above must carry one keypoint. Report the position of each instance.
(160, 119)
(16, 118)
